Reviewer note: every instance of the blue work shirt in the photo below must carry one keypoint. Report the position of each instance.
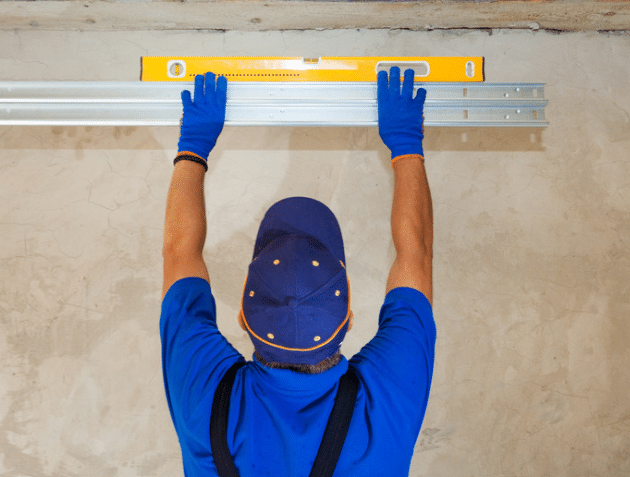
(277, 417)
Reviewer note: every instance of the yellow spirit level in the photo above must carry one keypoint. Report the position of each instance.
(324, 69)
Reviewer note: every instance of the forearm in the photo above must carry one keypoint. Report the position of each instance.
(412, 211)
(185, 225)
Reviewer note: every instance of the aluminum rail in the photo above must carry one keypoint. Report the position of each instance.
(56, 103)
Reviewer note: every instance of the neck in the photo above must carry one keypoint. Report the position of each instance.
(318, 368)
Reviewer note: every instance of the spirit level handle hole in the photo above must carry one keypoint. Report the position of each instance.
(176, 69)
(421, 69)
(470, 69)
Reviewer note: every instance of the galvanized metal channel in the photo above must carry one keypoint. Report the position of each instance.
(53, 103)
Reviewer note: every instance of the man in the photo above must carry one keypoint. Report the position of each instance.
(296, 309)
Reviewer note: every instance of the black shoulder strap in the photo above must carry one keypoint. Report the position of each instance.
(337, 427)
(334, 435)
(218, 423)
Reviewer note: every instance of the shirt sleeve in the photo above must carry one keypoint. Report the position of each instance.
(396, 366)
(195, 355)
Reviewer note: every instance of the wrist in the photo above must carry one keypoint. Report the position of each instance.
(407, 156)
(191, 156)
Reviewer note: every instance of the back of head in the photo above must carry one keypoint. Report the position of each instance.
(296, 298)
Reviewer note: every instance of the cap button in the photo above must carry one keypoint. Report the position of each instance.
(291, 302)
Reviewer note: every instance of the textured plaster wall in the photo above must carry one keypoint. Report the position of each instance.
(531, 269)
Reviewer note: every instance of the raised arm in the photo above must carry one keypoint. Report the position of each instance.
(185, 225)
(400, 127)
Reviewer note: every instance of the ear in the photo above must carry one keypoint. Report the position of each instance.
(351, 321)
(241, 321)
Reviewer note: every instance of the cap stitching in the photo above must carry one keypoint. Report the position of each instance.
(296, 349)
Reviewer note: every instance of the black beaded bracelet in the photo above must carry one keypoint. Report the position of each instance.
(196, 159)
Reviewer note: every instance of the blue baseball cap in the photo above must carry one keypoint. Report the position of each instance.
(296, 297)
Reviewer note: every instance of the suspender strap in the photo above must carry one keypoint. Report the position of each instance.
(337, 427)
(334, 435)
(218, 424)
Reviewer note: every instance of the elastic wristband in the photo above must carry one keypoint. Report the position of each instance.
(415, 156)
(187, 156)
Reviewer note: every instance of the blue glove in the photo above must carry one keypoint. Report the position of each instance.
(400, 116)
(203, 119)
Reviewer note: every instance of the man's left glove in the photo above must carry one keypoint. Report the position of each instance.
(203, 118)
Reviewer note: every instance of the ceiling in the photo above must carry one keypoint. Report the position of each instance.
(261, 15)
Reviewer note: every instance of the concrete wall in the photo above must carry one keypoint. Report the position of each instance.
(532, 259)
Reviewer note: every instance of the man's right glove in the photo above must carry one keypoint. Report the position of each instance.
(400, 116)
